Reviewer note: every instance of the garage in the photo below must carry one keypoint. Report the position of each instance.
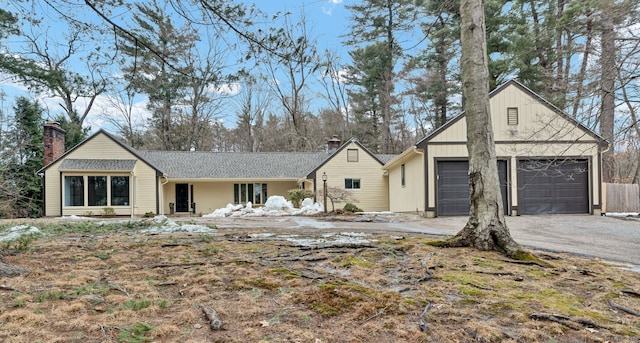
(553, 186)
(453, 187)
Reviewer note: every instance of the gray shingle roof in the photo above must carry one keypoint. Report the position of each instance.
(235, 165)
(384, 158)
(97, 164)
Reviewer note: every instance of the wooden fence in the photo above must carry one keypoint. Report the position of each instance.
(620, 198)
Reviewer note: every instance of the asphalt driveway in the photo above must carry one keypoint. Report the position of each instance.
(608, 238)
(612, 239)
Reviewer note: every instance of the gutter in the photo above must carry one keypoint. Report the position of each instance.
(162, 183)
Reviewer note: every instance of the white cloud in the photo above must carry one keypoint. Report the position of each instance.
(329, 6)
(226, 89)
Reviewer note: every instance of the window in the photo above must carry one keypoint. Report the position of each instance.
(74, 190)
(96, 190)
(352, 183)
(512, 116)
(256, 193)
(352, 155)
(119, 190)
(402, 179)
(236, 193)
(260, 193)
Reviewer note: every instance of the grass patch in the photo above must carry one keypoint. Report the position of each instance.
(135, 305)
(350, 261)
(136, 334)
(262, 283)
(103, 255)
(22, 243)
(333, 299)
(49, 295)
(286, 273)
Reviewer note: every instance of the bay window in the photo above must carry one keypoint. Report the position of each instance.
(96, 190)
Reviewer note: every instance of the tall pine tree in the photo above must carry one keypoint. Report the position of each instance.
(374, 31)
(22, 156)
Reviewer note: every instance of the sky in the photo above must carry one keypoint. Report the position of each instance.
(327, 20)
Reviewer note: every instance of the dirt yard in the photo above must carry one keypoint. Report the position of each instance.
(111, 283)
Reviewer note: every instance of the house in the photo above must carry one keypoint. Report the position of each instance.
(104, 173)
(547, 162)
(356, 169)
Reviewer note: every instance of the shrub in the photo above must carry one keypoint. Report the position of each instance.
(296, 195)
(349, 207)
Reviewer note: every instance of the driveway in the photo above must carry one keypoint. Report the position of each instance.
(607, 238)
(612, 239)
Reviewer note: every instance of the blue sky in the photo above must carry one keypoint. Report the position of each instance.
(327, 21)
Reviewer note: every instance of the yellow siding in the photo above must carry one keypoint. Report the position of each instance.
(456, 132)
(536, 121)
(374, 192)
(145, 189)
(52, 192)
(212, 195)
(410, 197)
(102, 147)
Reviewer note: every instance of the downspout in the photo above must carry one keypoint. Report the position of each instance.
(162, 183)
(61, 202)
(600, 195)
(133, 192)
(44, 194)
(424, 188)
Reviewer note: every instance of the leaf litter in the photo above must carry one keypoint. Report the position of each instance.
(302, 285)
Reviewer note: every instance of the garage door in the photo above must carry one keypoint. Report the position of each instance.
(453, 187)
(547, 186)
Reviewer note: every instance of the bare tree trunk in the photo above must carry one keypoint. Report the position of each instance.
(608, 76)
(583, 68)
(486, 228)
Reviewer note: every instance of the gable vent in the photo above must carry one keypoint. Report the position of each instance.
(512, 116)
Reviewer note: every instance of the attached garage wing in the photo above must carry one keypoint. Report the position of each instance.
(553, 186)
(453, 187)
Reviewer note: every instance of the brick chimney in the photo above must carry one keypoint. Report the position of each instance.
(53, 142)
(333, 144)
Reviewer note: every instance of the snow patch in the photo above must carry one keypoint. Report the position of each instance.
(17, 231)
(166, 225)
(622, 214)
(275, 206)
(73, 217)
(334, 238)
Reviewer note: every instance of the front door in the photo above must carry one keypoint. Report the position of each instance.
(182, 197)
